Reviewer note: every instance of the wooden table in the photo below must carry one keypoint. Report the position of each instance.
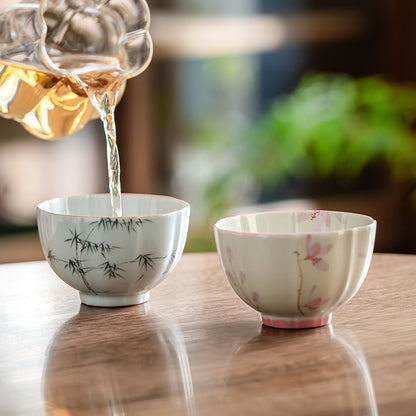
(196, 349)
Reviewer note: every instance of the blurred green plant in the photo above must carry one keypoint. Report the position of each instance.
(330, 127)
(336, 125)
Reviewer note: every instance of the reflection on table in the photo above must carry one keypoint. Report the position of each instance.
(100, 367)
(302, 370)
(196, 349)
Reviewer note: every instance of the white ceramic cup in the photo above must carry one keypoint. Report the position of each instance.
(113, 261)
(296, 268)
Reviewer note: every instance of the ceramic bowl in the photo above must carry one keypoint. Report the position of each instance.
(295, 268)
(113, 261)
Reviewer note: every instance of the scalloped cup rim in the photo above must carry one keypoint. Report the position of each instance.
(220, 227)
(42, 208)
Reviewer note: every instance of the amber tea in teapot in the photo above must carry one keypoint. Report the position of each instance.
(51, 50)
(50, 106)
(63, 62)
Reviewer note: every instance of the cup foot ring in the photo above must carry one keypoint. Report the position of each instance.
(297, 323)
(111, 301)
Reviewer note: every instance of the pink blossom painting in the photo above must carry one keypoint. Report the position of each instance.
(321, 220)
(314, 253)
(237, 279)
(230, 254)
(314, 303)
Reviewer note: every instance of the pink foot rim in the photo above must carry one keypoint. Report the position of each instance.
(293, 324)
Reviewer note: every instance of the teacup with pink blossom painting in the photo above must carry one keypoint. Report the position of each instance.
(296, 267)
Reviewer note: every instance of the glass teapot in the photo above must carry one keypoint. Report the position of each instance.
(52, 51)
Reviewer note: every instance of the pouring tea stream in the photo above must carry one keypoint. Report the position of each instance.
(56, 75)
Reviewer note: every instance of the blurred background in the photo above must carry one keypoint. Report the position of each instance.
(247, 105)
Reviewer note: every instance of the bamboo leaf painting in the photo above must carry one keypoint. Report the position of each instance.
(84, 249)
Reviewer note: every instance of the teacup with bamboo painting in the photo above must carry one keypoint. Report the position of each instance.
(113, 261)
(296, 267)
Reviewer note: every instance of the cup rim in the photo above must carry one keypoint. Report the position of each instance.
(218, 226)
(42, 208)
